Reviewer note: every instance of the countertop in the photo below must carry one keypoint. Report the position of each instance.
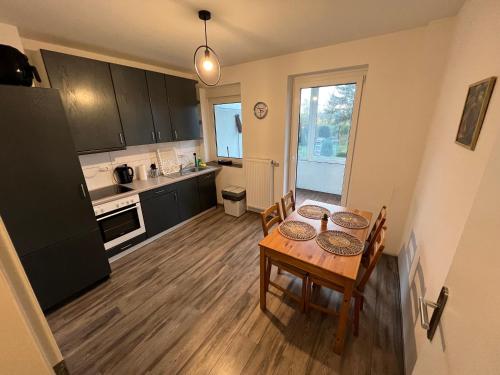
(140, 186)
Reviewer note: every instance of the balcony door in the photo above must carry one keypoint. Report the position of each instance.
(324, 119)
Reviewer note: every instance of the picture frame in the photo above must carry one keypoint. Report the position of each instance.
(475, 107)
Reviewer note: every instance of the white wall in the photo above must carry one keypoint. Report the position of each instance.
(404, 69)
(450, 175)
(10, 36)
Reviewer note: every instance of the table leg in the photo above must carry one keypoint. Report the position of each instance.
(263, 281)
(343, 319)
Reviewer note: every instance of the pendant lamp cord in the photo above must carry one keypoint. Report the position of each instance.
(206, 38)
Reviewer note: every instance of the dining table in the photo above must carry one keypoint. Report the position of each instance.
(311, 258)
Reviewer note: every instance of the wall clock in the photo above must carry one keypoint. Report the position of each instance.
(260, 110)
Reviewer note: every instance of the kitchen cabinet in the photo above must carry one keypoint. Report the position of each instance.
(44, 200)
(189, 199)
(207, 191)
(89, 101)
(183, 105)
(159, 106)
(160, 210)
(132, 96)
(60, 270)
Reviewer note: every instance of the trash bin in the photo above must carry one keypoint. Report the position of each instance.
(235, 203)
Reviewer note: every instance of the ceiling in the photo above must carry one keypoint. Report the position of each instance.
(166, 32)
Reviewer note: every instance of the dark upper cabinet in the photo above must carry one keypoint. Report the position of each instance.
(89, 101)
(159, 106)
(189, 199)
(183, 105)
(207, 191)
(160, 210)
(132, 97)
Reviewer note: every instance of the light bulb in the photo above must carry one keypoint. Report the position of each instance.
(208, 65)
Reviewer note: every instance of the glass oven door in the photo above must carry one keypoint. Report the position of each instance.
(120, 225)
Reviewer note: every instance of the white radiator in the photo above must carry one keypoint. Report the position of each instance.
(259, 174)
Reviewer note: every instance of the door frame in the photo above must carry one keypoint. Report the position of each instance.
(357, 76)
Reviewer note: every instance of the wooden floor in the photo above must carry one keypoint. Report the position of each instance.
(302, 194)
(189, 303)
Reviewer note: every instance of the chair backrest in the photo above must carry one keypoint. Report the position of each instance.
(374, 255)
(377, 227)
(270, 217)
(288, 203)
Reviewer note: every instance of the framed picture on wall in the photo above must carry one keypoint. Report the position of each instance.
(476, 105)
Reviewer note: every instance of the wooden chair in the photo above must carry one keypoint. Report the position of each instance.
(378, 247)
(377, 227)
(287, 203)
(270, 217)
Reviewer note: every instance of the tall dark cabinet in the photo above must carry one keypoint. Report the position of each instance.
(183, 105)
(44, 200)
(89, 100)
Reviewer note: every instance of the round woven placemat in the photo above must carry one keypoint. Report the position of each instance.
(297, 230)
(349, 220)
(339, 243)
(312, 211)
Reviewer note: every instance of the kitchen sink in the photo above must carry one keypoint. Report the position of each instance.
(184, 172)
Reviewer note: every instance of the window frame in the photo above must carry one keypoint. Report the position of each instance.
(224, 100)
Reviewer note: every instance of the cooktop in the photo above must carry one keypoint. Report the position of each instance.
(108, 191)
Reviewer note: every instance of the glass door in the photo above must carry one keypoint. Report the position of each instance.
(324, 122)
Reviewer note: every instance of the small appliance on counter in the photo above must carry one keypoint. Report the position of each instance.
(15, 68)
(124, 173)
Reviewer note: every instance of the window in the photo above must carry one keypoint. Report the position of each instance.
(227, 119)
(325, 122)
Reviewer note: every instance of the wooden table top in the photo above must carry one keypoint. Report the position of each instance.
(308, 253)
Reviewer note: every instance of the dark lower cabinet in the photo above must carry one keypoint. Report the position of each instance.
(59, 271)
(189, 199)
(207, 192)
(160, 210)
(164, 207)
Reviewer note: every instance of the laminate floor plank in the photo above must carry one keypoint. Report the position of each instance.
(188, 303)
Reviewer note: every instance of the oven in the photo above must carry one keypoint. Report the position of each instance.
(120, 220)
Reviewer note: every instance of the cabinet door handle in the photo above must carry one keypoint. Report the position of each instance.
(121, 139)
(159, 191)
(82, 189)
(175, 195)
(159, 135)
(175, 133)
(153, 136)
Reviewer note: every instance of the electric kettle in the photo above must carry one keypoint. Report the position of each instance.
(124, 173)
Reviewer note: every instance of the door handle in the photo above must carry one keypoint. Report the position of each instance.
(159, 135)
(175, 134)
(121, 139)
(438, 307)
(82, 189)
(153, 136)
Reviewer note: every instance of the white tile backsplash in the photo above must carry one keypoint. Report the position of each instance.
(98, 168)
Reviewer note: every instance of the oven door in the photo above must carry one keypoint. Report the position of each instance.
(121, 225)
